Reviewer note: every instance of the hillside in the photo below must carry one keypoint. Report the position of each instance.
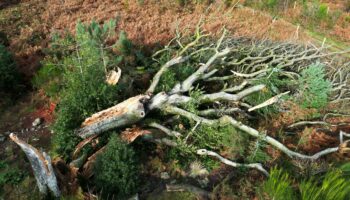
(174, 99)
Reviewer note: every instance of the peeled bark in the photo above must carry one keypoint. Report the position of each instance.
(42, 167)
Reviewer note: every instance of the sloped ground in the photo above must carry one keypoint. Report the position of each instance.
(29, 23)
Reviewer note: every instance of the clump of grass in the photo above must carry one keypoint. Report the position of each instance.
(334, 186)
(278, 186)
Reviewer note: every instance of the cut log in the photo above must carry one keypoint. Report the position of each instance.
(125, 113)
(42, 167)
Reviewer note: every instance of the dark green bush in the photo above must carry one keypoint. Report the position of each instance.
(10, 79)
(116, 169)
(313, 87)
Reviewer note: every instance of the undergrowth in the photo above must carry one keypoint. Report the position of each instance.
(116, 170)
(333, 185)
(278, 186)
(76, 76)
(10, 79)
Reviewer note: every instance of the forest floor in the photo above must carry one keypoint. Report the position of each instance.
(28, 25)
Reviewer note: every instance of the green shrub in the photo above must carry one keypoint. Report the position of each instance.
(278, 186)
(10, 79)
(49, 78)
(271, 4)
(84, 90)
(10, 175)
(313, 87)
(334, 186)
(116, 170)
(322, 12)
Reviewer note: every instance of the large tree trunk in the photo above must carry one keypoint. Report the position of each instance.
(127, 112)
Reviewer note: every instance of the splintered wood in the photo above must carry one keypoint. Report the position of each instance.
(130, 134)
(124, 113)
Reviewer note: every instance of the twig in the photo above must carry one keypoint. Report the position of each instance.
(257, 166)
(165, 129)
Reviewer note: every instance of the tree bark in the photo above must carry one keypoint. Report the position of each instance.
(42, 167)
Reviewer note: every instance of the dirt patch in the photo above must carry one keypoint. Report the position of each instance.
(19, 118)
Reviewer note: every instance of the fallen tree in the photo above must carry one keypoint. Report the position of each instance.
(224, 75)
(284, 58)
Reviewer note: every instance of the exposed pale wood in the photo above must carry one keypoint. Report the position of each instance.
(113, 76)
(42, 167)
(130, 134)
(81, 144)
(268, 102)
(124, 113)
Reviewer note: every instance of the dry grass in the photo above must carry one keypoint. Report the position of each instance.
(155, 22)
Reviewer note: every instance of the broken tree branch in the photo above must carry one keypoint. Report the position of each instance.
(165, 129)
(268, 102)
(42, 167)
(124, 113)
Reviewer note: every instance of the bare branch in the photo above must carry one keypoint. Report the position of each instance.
(163, 69)
(230, 97)
(165, 129)
(268, 102)
(218, 112)
(257, 166)
(304, 123)
(227, 119)
(251, 75)
(236, 88)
